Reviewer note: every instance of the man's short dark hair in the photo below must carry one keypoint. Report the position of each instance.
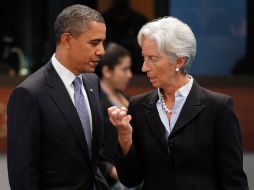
(75, 20)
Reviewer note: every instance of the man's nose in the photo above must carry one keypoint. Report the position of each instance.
(100, 51)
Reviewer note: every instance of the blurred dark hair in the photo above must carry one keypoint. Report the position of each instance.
(113, 53)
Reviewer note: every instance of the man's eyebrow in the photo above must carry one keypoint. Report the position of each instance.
(96, 40)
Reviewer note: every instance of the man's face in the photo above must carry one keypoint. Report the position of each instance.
(87, 49)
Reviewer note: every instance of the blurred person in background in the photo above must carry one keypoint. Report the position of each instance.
(114, 70)
(123, 24)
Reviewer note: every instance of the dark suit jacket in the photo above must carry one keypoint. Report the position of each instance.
(110, 138)
(46, 142)
(203, 152)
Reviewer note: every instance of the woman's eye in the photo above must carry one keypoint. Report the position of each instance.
(153, 60)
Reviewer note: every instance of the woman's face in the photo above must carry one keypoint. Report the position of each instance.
(160, 69)
(121, 74)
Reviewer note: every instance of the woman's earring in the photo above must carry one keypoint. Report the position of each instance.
(177, 69)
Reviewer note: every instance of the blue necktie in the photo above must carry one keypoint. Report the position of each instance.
(81, 108)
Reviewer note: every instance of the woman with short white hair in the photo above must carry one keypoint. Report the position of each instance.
(179, 136)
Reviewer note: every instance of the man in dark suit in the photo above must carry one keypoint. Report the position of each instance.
(54, 116)
(179, 136)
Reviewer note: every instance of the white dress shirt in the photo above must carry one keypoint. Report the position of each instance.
(180, 97)
(68, 77)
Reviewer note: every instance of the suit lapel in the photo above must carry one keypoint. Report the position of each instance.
(62, 99)
(192, 107)
(153, 118)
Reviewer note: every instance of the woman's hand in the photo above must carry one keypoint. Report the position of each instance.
(113, 173)
(121, 121)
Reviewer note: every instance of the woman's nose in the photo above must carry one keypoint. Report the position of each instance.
(144, 66)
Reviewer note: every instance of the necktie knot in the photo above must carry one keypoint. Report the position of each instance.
(77, 83)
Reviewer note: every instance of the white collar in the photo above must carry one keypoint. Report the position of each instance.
(183, 91)
(65, 74)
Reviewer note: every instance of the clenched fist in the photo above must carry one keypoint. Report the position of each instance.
(121, 121)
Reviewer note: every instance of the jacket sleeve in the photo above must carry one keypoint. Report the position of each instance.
(129, 167)
(229, 149)
(23, 140)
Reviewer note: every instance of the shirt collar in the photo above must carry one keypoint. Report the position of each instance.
(183, 91)
(65, 74)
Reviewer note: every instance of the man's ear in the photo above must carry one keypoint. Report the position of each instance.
(65, 40)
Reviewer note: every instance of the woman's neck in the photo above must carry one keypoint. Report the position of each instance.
(170, 90)
(107, 87)
(113, 95)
